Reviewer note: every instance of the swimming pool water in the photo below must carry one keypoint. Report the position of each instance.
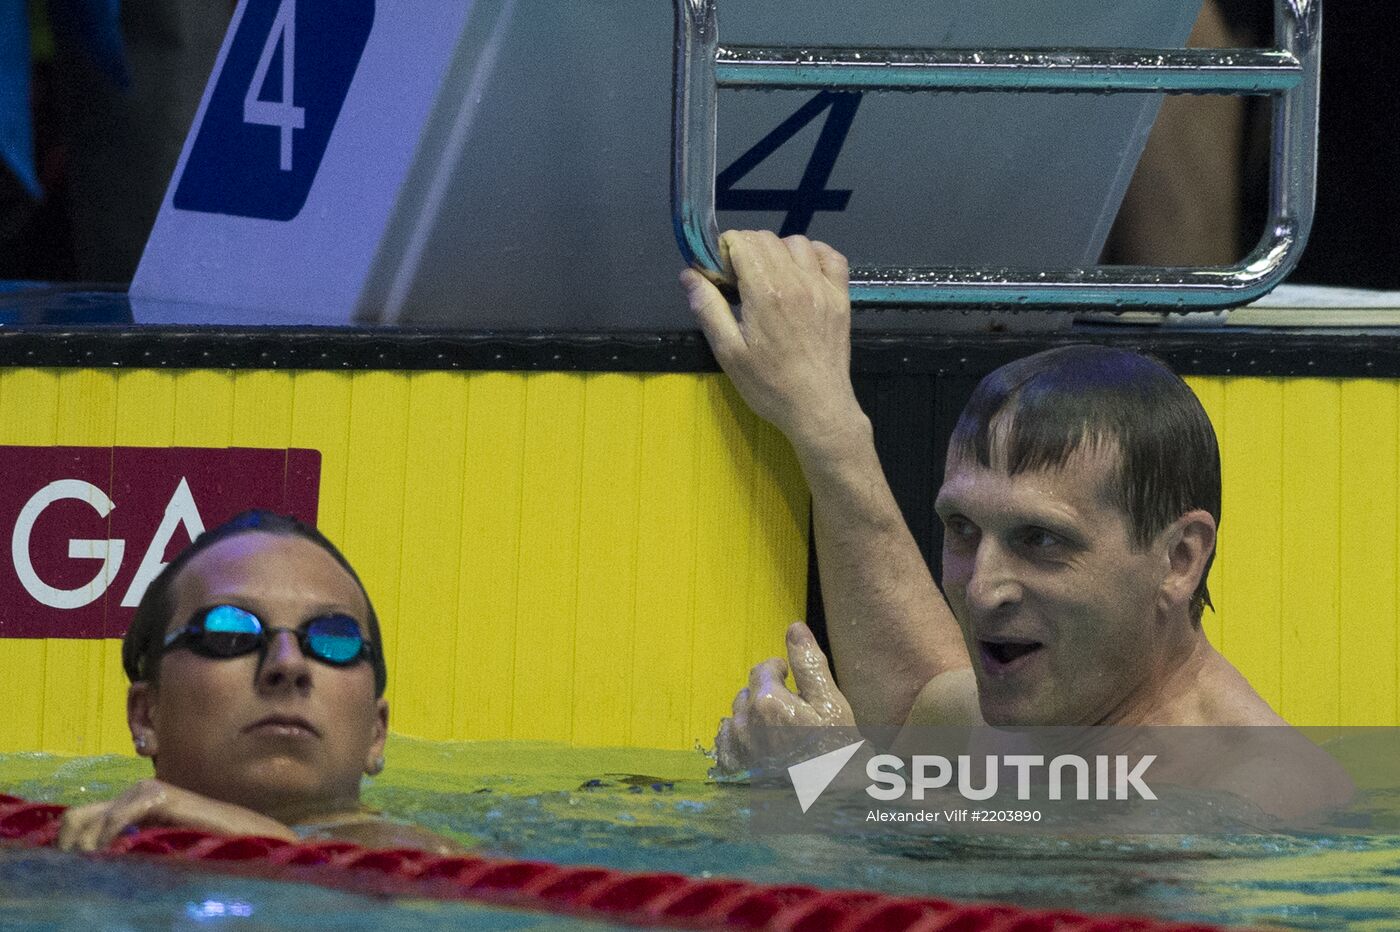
(654, 810)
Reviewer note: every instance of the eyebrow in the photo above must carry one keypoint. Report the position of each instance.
(946, 505)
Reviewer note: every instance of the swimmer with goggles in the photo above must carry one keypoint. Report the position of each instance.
(263, 706)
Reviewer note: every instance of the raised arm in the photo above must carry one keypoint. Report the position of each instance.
(789, 354)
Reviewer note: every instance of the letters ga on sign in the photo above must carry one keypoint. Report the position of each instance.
(88, 528)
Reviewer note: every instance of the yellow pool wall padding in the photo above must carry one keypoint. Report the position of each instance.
(596, 559)
(587, 559)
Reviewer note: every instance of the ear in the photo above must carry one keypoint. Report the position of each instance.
(140, 718)
(374, 760)
(1189, 542)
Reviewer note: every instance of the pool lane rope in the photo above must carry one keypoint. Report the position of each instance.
(599, 893)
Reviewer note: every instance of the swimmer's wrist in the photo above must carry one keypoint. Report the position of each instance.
(834, 437)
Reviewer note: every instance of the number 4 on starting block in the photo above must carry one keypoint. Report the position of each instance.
(309, 126)
(265, 130)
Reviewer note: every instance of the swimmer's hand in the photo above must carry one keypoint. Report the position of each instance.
(154, 803)
(789, 350)
(767, 703)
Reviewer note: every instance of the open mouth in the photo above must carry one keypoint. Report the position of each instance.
(1002, 655)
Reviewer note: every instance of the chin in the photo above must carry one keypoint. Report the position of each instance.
(280, 780)
(1011, 715)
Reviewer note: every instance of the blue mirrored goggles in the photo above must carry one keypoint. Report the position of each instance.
(229, 631)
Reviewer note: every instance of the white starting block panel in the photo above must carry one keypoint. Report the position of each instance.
(506, 164)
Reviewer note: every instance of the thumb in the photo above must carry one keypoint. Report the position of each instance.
(712, 311)
(810, 671)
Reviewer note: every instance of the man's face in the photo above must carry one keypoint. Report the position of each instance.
(275, 731)
(1056, 603)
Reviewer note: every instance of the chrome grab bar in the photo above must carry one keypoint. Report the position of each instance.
(1289, 73)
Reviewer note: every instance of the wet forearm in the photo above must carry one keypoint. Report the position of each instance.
(891, 631)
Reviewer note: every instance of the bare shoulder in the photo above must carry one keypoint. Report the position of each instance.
(1261, 757)
(375, 832)
(1222, 696)
(949, 699)
(1283, 773)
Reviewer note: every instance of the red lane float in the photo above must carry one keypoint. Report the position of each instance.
(652, 899)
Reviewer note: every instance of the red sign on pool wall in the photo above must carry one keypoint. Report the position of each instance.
(88, 528)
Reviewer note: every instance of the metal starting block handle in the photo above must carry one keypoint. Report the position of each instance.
(1288, 73)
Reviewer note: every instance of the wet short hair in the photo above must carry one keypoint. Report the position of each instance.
(1038, 411)
(144, 641)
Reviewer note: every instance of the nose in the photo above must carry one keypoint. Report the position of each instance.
(283, 665)
(993, 584)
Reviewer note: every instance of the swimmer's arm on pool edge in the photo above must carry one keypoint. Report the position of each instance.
(788, 354)
(153, 802)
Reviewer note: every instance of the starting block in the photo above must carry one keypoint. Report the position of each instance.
(498, 164)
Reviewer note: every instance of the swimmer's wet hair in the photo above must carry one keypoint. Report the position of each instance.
(1036, 412)
(141, 647)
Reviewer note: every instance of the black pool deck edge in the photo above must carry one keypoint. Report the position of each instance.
(1217, 351)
